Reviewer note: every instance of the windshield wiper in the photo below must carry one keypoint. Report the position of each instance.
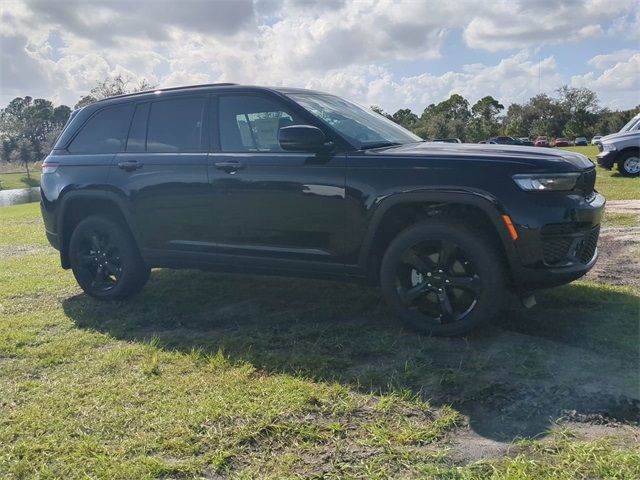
(366, 146)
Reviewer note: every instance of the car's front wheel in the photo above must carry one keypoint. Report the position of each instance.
(105, 259)
(442, 278)
(629, 164)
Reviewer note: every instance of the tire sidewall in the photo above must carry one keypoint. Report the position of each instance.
(621, 164)
(479, 250)
(134, 271)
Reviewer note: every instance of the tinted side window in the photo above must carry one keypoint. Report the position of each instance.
(104, 132)
(176, 125)
(138, 131)
(251, 124)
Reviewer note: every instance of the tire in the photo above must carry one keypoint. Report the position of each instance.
(442, 278)
(105, 259)
(629, 164)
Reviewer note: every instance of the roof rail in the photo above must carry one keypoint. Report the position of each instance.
(168, 90)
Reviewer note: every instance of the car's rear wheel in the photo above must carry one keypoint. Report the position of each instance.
(105, 259)
(442, 278)
(629, 164)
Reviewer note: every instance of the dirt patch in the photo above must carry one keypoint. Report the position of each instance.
(619, 248)
(619, 260)
(624, 206)
(10, 251)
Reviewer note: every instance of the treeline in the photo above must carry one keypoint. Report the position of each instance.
(573, 112)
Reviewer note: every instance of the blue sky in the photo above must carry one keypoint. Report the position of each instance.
(402, 53)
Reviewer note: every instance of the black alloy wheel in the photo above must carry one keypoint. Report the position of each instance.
(436, 279)
(442, 278)
(105, 260)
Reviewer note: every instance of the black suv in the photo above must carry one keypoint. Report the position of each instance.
(301, 183)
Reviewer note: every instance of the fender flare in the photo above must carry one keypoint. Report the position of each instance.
(487, 203)
(119, 202)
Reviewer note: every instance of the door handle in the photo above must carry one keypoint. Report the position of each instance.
(129, 165)
(229, 167)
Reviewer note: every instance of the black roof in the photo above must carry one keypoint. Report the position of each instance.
(205, 87)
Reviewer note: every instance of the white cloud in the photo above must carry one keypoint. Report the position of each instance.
(508, 24)
(617, 78)
(61, 49)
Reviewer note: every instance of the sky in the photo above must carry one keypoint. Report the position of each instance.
(390, 53)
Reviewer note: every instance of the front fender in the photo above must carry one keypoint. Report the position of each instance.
(485, 202)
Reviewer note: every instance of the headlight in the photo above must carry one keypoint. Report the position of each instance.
(608, 147)
(546, 182)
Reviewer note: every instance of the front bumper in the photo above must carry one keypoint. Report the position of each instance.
(606, 159)
(562, 250)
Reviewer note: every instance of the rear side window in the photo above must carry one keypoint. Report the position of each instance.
(104, 132)
(176, 125)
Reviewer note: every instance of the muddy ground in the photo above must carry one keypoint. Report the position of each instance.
(569, 362)
(619, 248)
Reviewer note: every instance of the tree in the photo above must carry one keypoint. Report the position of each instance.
(581, 108)
(448, 118)
(611, 122)
(406, 118)
(380, 111)
(27, 127)
(485, 122)
(112, 86)
(23, 155)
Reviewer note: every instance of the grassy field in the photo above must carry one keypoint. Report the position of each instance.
(9, 181)
(207, 375)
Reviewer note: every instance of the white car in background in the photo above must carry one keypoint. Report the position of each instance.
(596, 139)
(623, 149)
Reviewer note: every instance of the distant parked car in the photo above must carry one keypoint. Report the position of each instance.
(580, 142)
(488, 142)
(503, 140)
(541, 141)
(596, 140)
(447, 140)
(561, 142)
(526, 141)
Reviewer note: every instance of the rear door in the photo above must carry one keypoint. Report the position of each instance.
(284, 208)
(163, 172)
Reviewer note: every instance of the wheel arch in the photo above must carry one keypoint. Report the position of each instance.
(77, 205)
(398, 211)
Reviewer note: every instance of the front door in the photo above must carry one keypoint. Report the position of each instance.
(282, 207)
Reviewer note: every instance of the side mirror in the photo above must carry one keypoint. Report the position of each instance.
(302, 138)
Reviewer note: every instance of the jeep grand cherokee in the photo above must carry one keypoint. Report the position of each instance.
(296, 182)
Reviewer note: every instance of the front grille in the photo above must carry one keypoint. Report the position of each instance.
(587, 248)
(563, 244)
(556, 249)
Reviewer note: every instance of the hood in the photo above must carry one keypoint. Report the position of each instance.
(621, 136)
(519, 153)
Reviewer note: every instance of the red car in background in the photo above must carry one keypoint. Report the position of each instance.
(541, 141)
(561, 142)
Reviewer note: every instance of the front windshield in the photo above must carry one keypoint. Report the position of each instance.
(362, 127)
(631, 123)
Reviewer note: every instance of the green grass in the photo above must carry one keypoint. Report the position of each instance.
(206, 375)
(9, 181)
(609, 182)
